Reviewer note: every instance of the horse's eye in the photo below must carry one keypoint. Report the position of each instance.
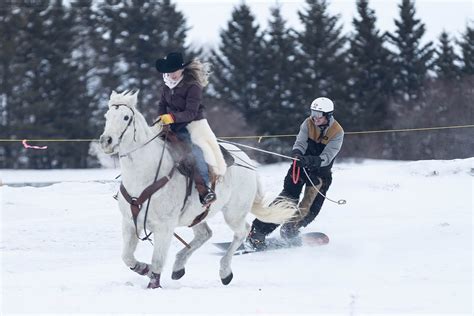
(126, 118)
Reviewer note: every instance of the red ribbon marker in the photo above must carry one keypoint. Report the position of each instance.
(25, 144)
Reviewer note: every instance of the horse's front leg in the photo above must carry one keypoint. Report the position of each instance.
(162, 239)
(129, 246)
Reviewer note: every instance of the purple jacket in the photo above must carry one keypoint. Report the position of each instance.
(183, 102)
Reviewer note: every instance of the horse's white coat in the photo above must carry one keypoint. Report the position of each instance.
(238, 192)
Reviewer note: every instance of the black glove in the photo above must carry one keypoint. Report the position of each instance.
(296, 153)
(309, 162)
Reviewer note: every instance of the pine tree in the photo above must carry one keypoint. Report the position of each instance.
(370, 61)
(322, 58)
(237, 61)
(107, 44)
(11, 71)
(412, 59)
(276, 89)
(173, 28)
(467, 47)
(137, 33)
(32, 108)
(83, 60)
(46, 101)
(446, 58)
(277, 86)
(65, 93)
(143, 42)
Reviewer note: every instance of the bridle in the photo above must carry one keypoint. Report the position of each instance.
(132, 119)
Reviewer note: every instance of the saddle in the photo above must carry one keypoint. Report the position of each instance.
(182, 153)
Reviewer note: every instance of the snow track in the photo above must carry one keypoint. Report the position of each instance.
(402, 244)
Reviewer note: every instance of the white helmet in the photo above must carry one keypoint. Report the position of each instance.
(322, 104)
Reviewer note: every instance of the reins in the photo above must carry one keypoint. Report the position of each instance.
(147, 235)
(139, 147)
(145, 143)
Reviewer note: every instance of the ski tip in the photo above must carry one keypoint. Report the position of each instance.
(315, 238)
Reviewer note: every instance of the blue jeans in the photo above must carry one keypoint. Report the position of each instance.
(183, 134)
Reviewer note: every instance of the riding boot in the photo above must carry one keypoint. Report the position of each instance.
(206, 194)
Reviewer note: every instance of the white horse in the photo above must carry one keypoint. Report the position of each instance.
(127, 134)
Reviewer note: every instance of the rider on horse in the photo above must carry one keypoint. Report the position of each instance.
(180, 107)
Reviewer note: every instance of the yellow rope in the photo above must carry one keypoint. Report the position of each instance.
(410, 129)
(259, 138)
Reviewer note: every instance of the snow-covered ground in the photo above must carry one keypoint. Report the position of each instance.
(402, 244)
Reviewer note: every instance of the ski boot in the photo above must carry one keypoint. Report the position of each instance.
(255, 240)
(290, 232)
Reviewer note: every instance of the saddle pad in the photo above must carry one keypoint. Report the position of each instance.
(229, 160)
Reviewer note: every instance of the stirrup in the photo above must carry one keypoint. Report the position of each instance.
(208, 198)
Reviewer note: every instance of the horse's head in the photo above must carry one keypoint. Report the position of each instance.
(119, 121)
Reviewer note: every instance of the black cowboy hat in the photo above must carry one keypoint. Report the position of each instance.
(171, 63)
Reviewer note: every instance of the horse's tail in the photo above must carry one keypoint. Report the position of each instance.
(279, 211)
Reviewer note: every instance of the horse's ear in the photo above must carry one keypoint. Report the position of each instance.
(133, 97)
(113, 96)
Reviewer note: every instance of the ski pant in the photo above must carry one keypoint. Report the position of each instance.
(293, 192)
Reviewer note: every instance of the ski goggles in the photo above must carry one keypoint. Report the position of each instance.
(316, 114)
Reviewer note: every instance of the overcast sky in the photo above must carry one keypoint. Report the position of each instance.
(208, 17)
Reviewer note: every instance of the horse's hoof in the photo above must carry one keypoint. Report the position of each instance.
(176, 275)
(227, 279)
(141, 268)
(152, 286)
(154, 281)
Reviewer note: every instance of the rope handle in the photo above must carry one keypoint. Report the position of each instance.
(296, 173)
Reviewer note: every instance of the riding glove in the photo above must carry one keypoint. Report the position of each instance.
(167, 119)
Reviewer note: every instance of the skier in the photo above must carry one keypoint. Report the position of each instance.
(318, 142)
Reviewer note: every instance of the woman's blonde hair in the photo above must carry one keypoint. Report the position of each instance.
(198, 72)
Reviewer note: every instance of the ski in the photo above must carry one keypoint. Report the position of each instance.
(273, 243)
